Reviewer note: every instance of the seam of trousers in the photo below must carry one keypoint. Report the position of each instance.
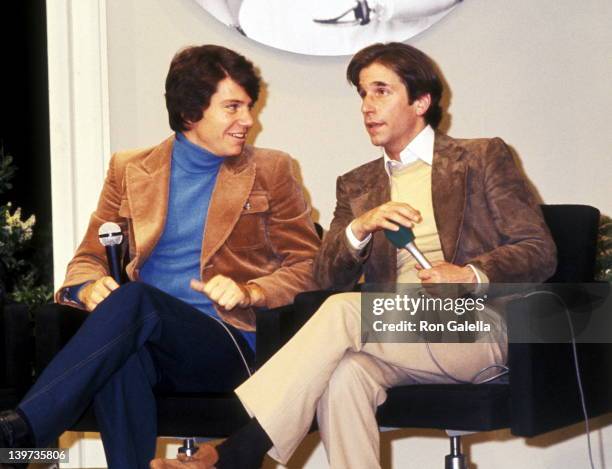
(91, 357)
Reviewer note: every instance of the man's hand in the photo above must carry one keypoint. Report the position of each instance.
(227, 293)
(385, 217)
(94, 293)
(444, 272)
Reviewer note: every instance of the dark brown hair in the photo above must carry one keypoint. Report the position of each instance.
(414, 68)
(194, 75)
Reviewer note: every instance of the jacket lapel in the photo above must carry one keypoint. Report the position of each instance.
(377, 191)
(147, 188)
(231, 192)
(448, 186)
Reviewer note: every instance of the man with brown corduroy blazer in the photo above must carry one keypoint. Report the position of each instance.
(215, 228)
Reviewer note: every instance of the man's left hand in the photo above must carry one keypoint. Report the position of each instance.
(444, 272)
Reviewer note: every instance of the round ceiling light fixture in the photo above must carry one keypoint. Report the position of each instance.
(328, 27)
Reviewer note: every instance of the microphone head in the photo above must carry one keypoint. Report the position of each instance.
(401, 237)
(110, 234)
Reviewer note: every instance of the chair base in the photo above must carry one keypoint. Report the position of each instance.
(456, 459)
(455, 462)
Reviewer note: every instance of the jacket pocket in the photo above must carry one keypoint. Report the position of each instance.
(250, 230)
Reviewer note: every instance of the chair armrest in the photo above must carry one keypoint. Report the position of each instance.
(268, 334)
(543, 386)
(54, 325)
(276, 326)
(16, 346)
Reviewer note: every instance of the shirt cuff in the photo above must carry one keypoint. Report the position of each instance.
(353, 241)
(71, 294)
(481, 279)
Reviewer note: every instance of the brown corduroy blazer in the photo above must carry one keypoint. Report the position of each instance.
(258, 227)
(485, 213)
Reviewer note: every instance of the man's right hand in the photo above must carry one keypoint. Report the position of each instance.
(385, 217)
(94, 293)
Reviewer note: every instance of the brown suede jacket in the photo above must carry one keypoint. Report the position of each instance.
(258, 228)
(485, 213)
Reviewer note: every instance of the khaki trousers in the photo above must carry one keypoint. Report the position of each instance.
(326, 369)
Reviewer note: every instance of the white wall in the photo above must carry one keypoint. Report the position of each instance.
(536, 73)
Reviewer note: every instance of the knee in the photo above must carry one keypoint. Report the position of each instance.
(341, 303)
(339, 300)
(132, 289)
(342, 307)
(356, 380)
(128, 296)
(350, 376)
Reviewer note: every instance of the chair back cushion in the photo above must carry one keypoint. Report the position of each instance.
(543, 388)
(574, 229)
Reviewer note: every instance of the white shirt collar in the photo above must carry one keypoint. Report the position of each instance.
(420, 147)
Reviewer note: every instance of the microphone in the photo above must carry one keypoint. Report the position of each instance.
(110, 236)
(404, 239)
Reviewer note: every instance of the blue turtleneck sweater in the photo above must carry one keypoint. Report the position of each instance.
(175, 260)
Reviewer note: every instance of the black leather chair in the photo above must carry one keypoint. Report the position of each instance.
(16, 352)
(540, 393)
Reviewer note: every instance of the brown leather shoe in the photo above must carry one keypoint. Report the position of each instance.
(14, 430)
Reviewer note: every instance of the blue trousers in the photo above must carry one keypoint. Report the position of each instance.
(138, 340)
